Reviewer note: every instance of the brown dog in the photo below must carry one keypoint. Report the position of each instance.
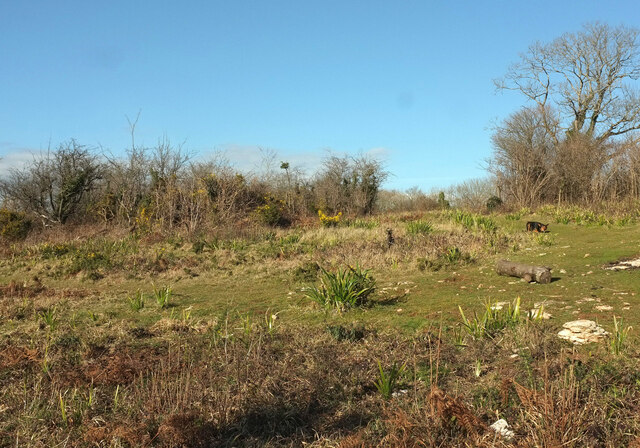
(533, 226)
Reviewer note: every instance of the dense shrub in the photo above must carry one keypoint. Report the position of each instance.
(14, 226)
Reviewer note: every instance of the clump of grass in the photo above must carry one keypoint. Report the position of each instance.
(419, 227)
(516, 216)
(583, 216)
(343, 289)
(89, 261)
(359, 223)
(618, 337)
(306, 271)
(543, 239)
(49, 317)
(48, 251)
(473, 221)
(346, 333)
(163, 295)
(493, 320)
(387, 381)
(136, 301)
(451, 255)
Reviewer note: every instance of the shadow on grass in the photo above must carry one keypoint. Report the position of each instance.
(297, 423)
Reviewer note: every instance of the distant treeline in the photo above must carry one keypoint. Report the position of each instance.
(163, 187)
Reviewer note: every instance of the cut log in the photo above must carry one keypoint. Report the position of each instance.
(530, 273)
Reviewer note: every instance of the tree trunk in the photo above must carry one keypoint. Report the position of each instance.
(530, 273)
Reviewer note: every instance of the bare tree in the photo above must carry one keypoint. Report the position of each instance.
(55, 184)
(587, 77)
(522, 149)
(349, 184)
(473, 194)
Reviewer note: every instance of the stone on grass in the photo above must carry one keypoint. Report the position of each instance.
(582, 332)
(502, 427)
(604, 307)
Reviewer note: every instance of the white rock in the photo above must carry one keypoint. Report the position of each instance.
(625, 265)
(582, 332)
(604, 307)
(498, 305)
(502, 427)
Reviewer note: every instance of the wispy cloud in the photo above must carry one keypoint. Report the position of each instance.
(13, 158)
(258, 159)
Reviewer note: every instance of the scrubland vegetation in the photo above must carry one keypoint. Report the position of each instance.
(156, 300)
(317, 334)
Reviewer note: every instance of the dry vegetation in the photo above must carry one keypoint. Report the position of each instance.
(82, 365)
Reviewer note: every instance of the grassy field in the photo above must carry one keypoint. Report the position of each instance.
(143, 340)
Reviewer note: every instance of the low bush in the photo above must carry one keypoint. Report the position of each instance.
(14, 226)
(344, 289)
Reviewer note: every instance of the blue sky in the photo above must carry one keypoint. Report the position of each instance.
(407, 81)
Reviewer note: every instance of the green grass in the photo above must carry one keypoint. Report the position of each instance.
(224, 284)
(240, 307)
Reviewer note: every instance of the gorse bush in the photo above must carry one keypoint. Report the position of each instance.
(329, 221)
(272, 212)
(344, 289)
(493, 203)
(14, 226)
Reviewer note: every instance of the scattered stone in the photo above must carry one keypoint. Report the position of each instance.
(604, 307)
(399, 392)
(498, 305)
(623, 265)
(562, 271)
(586, 255)
(502, 427)
(582, 332)
(587, 299)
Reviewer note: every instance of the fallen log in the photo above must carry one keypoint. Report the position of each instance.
(530, 273)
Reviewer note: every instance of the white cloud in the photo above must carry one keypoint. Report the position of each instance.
(254, 158)
(14, 158)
